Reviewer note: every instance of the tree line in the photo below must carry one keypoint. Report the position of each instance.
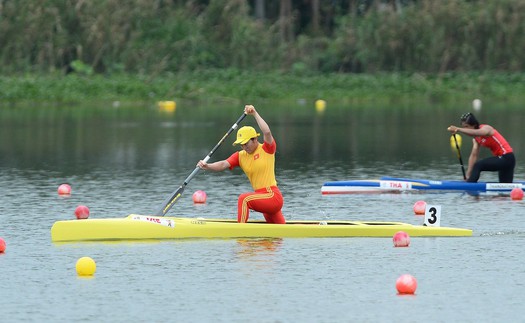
(151, 37)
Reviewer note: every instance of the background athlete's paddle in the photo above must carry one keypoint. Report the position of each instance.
(168, 203)
(457, 143)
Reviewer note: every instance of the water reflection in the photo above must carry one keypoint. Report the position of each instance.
(77, 138)
(257, 250)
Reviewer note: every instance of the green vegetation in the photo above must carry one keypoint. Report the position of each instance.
(55, 50)
(157, 37)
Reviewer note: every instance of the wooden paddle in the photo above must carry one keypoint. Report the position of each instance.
(168, 203)
(459, 154)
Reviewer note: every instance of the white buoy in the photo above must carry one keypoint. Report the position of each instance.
(476, 105)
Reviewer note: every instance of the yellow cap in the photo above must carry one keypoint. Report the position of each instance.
(244, 134)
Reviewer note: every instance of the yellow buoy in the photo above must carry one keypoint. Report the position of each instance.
(167, 106)
(86, 266)
(320, 105)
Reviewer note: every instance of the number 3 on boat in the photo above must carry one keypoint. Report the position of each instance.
(432, 216)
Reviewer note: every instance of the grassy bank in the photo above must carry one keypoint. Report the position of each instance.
(238, 86)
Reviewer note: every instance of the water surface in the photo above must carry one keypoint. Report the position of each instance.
(122, 161)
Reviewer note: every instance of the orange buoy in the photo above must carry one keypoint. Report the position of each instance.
(401, 239)
(199, 197)
(516, 193)
(82, 212)
(64, 189)
(406, 284)
(419, 207)
(2, 245)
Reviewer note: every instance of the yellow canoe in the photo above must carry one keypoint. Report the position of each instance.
(145, 227)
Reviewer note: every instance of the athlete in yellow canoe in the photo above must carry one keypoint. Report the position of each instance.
(258, 163)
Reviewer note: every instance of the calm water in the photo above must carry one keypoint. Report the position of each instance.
(128, 160)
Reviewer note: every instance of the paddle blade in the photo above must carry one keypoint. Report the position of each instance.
(455, 142)
(169, 202)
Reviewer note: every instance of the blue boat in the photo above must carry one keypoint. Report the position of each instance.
(400, 185)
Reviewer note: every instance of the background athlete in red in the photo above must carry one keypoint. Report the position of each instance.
(258, 163)
(502, 161)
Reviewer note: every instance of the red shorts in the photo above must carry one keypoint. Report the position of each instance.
(268, 201)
